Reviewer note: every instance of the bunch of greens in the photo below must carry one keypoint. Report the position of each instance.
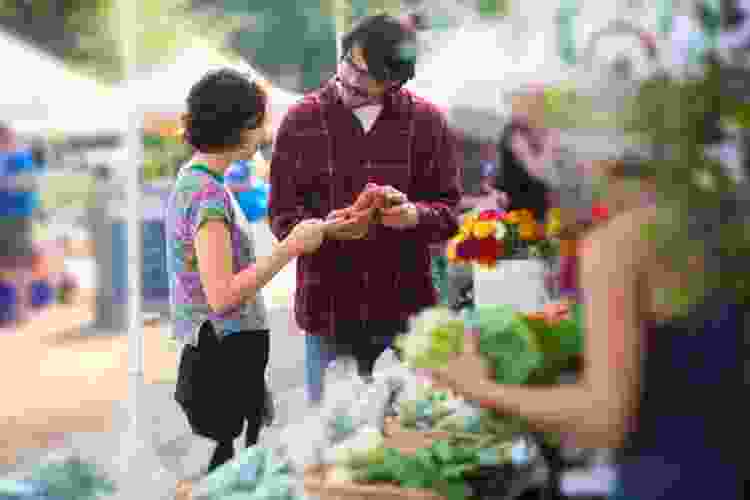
(482, 429)
(508, 343)
(427, 411)
(71, 479)
(561, 344)
(442, 467)
(435, 336)
(258, 474)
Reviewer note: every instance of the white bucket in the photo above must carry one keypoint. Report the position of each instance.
(518, 283)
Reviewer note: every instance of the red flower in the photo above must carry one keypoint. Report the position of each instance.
(599, 212)
(490, 249)
(468, 249)
(490, 215)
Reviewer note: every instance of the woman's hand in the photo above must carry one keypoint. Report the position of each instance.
(349, 224)
(468, 374)
(308, 235)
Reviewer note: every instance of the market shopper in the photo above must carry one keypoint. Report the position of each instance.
(661, 377)
(18, 203)
(536, 173)
(362, 131)
(215, 277)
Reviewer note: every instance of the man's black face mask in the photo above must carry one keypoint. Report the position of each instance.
(389, 67)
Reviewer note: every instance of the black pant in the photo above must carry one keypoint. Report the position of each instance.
(365, 341)
(238, 366)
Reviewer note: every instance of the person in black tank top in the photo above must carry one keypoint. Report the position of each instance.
(664, 394)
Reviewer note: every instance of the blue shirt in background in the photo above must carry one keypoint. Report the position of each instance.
(18, 195)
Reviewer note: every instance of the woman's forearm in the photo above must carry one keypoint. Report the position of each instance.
(569, 409)
(251, 280)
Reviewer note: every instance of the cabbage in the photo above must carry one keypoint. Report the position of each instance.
(506, 340)
(437, 334)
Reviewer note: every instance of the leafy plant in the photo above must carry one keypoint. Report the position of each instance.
(442, 468)
(506, 340)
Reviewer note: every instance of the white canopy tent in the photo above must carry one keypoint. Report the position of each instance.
(483, 65)
(46, 96)
(165, 90)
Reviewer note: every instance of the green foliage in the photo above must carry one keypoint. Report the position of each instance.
(74, 479)
(493, 8)
(442, 468)
(676, 114)
(506, 340)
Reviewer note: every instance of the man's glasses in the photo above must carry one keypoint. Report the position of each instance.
(388, 75)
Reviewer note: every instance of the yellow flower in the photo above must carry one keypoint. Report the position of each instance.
(484, 229)
(553, 228)
(553, 214)
(468, 225)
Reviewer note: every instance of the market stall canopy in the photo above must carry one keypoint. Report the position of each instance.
(40, 95)
(512, 56)
(163, 92)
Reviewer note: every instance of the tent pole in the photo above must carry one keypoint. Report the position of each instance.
(132, 443)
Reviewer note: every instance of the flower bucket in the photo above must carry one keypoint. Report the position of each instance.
(518, 283)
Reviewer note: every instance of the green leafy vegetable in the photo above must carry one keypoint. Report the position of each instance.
(506, 340)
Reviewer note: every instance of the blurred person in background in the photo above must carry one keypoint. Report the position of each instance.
(526, 152)
(536, 173)
(362, 133)
(662, 372)
(19, 199)
(215, 277)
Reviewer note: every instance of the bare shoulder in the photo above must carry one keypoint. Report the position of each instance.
(623, 239)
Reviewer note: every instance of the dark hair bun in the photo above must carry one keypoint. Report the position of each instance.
(221, 106)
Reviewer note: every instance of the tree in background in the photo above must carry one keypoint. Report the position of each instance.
(82, 33)
(78, 32)
(294, 42)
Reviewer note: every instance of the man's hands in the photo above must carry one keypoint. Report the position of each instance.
(375, 204)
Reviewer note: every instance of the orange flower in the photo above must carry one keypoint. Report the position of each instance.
(513, 217)
(527, 230)
(526, 215)
(450, 251)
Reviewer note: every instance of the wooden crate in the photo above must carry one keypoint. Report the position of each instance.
(317, 485)
(409, 440)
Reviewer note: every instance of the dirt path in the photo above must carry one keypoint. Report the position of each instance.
(56, 381)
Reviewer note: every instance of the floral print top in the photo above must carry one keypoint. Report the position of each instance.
(200, 196)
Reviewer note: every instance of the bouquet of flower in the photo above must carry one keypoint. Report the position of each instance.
(491, 235)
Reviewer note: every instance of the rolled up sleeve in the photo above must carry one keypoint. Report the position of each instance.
(286, 204)
(438, 188)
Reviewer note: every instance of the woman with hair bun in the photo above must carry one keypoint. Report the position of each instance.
(215, 277)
